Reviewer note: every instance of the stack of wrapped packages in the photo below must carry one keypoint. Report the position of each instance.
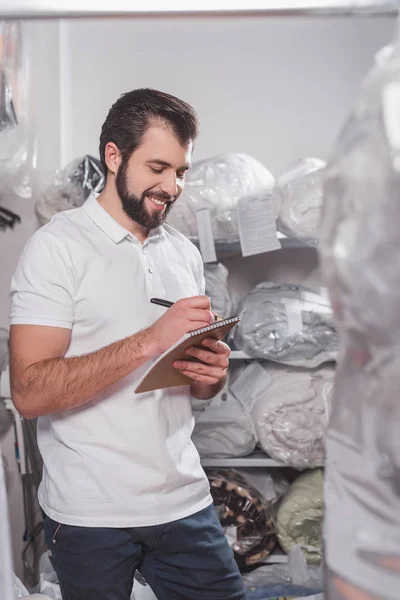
(217, 184)
(298, 193)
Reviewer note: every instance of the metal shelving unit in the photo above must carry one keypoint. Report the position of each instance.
(257, 459)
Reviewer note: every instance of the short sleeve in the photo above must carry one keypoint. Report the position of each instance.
(41, 287)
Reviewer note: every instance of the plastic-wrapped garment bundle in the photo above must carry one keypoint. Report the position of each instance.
(17, 135)
(216, 276)
(217, 184)
(291, 416)
(70, 188)
(6, 573)
(223, 429)
(300, 515)
(3, 348)
(296, 572)
(248, 519)
(359, 246)
(288, 324)
(298, 192)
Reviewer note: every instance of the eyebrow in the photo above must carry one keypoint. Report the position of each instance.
(163, 163)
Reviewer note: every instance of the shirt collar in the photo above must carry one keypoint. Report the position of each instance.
(106, 223)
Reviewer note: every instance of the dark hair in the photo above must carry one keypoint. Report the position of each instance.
(134, 112)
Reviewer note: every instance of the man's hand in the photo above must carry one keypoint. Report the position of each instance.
(184, 315)
(212, 369)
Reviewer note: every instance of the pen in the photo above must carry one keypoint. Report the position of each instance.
(168, 304)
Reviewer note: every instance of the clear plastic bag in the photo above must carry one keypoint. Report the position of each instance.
(223, 429)
(17, 129)
(300, 514)
(71, 187)
(7, 587)
(247, 518)
(218, 183)
(216, 276)
(291, 416)
(288, 324)
(359, 247)
(298, 193)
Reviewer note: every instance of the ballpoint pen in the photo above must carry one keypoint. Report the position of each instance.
(168, 304)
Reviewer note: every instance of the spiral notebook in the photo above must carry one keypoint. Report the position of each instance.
(162, 373)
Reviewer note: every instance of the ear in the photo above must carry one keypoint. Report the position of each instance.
(112, 157)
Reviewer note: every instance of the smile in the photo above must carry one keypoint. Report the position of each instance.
(157, 201)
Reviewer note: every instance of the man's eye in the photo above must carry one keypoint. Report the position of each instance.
(158, 171)
(181, 175)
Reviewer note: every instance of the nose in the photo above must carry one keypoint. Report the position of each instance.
(170, 184)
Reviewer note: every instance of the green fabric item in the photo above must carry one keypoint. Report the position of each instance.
(300, 515)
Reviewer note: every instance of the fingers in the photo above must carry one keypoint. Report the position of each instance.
(216, 346)
(201, 372)
(209, 358)
(202, 378)
(195, 302)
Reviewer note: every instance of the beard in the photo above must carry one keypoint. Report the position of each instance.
(135, 207)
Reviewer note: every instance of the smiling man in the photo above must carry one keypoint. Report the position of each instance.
(122, 487)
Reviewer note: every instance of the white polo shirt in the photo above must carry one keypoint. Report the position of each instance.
(120, 460)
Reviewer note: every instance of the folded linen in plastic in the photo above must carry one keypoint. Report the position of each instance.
(300, 515)
(298, 192)
(70, 188)
(288, 324)
(217, 184)
(291, 416)
(247, 517)
(223, 429)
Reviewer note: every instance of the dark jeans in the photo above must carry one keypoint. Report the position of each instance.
(188, 559)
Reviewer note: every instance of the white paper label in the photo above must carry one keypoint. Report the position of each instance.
(293, 309)
(231, 535)
(250, 384)
(257, 225)
(205, 233)
(391, 113)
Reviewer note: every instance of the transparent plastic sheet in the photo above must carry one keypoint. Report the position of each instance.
(288, 324)
(300, 514)
(298, 193)
(3, 348)
(17, 135)
(291, 416)
(223, 429)
(217, 184)
(222, 302)
(6, 571)
(296, 572)
(249, 520)
(70, 188)
(359, 245)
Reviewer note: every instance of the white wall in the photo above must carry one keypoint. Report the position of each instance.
(275, 88)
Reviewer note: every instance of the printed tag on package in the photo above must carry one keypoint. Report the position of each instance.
(257, 225)
(293, 308)
(391, 113)
(205, 233)
(250, 384)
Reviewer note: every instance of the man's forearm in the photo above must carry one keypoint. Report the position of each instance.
(58, 384)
